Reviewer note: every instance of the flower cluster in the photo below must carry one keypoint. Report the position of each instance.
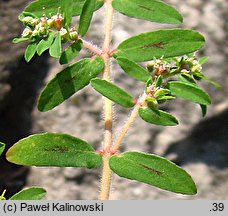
(39, 28)
(160, 69)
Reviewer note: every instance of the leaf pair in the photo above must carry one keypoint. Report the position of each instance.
(63, 150)
(119, 96)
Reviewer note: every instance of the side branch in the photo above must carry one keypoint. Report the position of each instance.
(128, 124)
(91, 47)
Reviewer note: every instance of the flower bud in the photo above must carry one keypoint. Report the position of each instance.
(26, 33)
(64, 35)
(44, 20)
(50, 23)
(197, 67)
(57, 21)
(74, 35)
(150, 67)
(42, 31)
(151, 102)
(35, 22)
(35, 33)
(27, 20)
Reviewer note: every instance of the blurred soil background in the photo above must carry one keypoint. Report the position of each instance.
(199, 145)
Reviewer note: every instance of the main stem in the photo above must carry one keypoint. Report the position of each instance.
(106, 171)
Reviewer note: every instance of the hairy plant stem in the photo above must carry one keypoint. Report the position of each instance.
(91, 47)
(108, 112)
(128, 124)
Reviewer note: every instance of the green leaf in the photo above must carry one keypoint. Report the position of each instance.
(157, 117)
(69, 81)
(186, 78)
(2, 147)
(164, 98)
(200, 75)
(71, 52)
(40, 7)
(33, 193)
(45, 43)
(153, 170)
(113, 92)
(56, 48)
(166, 43)
(189, 92)
(67, 10)
(159, 81)
(50, 149)
(30, 51)
(24, 14)
(133, 70)
(18, 40)
(86, 17)
(203, 109)
(203, 60)
(155, 11)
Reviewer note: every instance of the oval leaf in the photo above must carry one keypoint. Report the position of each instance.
(113, 92)
(45, 43)
(133, 70)
(56, 48)
(166, 43)
(51, 149)
(69, 81)
(153, 170)
(152, 10)
(2, 147)
(189, 92)
(86, 17)
(40, 7)
(33, 193)
(157, 117)
(30, 51)
(71, 52)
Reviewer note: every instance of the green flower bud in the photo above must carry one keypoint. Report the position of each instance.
(150, 67)
(64, 35)
(35, 33)
(74, 35)
(151, 102)
(42, 32)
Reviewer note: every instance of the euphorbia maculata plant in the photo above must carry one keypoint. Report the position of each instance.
(173, 70)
